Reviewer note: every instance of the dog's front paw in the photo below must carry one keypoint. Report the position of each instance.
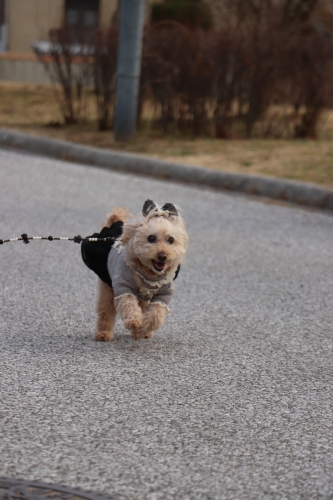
(133, 324)
(138, 334)
(149, 335)
(103, 336)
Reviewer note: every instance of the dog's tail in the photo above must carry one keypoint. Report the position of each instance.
(118, 213)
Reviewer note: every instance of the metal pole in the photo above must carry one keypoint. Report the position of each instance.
(129, 67)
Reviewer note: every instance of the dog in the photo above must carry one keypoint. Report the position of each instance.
(137, 271)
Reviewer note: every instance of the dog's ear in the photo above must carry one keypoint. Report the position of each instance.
(169, 207)
(148, 206)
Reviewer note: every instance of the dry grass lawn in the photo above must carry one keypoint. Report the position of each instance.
(31, 109)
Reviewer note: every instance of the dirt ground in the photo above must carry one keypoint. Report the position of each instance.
(33, 109)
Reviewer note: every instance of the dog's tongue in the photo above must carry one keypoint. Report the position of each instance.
(159, 265)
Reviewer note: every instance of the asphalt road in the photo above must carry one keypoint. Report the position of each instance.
(232, 399)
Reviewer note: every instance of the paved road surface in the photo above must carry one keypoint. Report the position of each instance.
(233, 397)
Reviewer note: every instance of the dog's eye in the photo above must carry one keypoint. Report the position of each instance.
(171, 240)
(151, 238)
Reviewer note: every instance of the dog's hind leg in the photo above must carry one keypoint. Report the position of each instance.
(106, 313)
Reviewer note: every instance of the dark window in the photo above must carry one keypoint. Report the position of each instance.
(2, 12)
(82, 13)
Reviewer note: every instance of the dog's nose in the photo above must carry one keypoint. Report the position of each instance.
(161, 257)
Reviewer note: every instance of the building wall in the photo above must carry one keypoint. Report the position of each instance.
(22, 68)
(30, 20)
(107, 11)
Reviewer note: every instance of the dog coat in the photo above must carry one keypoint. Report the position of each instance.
(108, 261)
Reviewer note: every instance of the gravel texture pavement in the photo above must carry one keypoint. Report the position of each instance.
(232, 399)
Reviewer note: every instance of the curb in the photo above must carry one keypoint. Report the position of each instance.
(300, 193)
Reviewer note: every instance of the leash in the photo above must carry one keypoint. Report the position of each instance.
(77, 239)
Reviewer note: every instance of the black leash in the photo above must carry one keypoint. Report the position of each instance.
(77, 239)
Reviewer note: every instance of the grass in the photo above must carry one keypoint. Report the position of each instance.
(31, 109)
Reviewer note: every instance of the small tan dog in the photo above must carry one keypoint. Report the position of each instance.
(141, 267)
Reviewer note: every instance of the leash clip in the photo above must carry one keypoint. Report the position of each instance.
(25, 238)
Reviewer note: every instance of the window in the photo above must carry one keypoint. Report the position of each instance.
(81, 13)
(2, 12)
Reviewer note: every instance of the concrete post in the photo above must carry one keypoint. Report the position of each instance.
(129, 67)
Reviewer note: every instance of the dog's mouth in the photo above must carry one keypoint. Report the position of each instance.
(159, 266)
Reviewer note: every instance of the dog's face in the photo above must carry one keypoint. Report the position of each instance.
(158, 239)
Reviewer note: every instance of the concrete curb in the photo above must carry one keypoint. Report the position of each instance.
(278, 189)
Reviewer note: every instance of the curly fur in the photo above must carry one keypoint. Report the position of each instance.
(141, 319)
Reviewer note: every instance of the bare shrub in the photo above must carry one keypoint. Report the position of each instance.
(306, 80)
(237, 82)
(176, 75)
(287, 14)
(190, 13)
(245, 73)
(66, 60)
(104, 69)
(301, 88)
(265, 79)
